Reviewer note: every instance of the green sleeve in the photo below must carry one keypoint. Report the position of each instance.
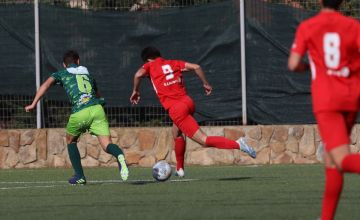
(57, 77)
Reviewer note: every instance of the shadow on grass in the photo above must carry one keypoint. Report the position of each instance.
(235, 178)
(142, 182)
(245, 178)
(131, 182)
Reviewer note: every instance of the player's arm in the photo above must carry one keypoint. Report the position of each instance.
(200, 73)
(97, 92)
(296, 63)
(135, 96)
(43, 88)
(298, 49)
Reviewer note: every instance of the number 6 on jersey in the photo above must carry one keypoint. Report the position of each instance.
(83, 83)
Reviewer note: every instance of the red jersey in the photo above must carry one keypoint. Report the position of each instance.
(333, 44)
(167, 80)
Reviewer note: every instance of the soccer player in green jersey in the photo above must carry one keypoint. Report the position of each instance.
(87, 113)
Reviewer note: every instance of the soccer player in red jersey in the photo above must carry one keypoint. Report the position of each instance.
(333, 44)
(166, 77)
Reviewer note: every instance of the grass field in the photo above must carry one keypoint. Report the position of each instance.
(286, 192)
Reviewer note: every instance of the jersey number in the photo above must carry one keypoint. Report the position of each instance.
(83, 83)
(168, 71)
(332, 50)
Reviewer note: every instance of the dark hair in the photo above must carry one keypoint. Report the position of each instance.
(333, 4)
(70, 57)
(150, 53)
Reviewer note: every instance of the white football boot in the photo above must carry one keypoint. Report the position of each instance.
(180, 173)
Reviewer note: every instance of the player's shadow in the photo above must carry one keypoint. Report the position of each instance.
(235, 178)
(142, 182)
(131, 182)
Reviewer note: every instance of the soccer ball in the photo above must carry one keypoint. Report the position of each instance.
(161, 171)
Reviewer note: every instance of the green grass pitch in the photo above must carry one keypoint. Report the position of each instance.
(276, 192)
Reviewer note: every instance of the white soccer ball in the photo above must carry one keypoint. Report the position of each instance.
(161, 171)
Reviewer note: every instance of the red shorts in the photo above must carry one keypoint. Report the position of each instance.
(181, 112)
(335, 127)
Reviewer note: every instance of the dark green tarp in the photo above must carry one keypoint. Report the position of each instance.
(110, 42)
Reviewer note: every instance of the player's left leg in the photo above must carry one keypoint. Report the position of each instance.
(179, 147)
(335, 128)
(100, 128)
(78, 178)
(74, 128)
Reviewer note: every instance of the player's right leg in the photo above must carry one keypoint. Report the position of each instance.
(179, 147)
(100, 127)
(115, 150)
(180, 113)
(334, 180)
(223, 143)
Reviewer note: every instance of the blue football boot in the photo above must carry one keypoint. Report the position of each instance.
(75, 180)
(246, 148)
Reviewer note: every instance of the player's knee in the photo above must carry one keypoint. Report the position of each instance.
(70, 139)
(104, 141)
(200, 137)
(338, 163)
(176, 132)
(338, 154)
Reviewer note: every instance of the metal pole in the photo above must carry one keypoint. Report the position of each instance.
(37, 61)
(243, 62)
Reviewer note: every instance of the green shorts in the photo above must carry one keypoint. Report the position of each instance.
(92, 119)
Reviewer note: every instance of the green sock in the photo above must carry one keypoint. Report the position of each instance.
(114, 150)
(75, 159)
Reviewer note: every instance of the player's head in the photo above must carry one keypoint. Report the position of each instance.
(71, 57)
(333, 4)
(150, 53)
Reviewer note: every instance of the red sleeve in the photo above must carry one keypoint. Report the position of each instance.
(299, 45)
(358, 37)
(146, 67)
(181, 64)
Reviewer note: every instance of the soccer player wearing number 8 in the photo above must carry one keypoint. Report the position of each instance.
(87, 113)
(333, 44)
(166, 77)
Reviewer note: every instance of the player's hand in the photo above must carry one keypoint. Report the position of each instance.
(208, 89)
(135, 97)
(29, 107)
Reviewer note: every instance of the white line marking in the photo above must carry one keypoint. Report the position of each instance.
(95, 181)
(37, 182)
(64, 183)
(27, 187)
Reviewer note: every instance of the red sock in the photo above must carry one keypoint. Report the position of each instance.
(351, 163)
(333, 185)
(221, 142)
(180, 146)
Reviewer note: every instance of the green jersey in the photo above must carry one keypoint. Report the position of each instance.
(79, 85)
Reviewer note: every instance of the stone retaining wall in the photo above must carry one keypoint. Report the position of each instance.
(36, 148)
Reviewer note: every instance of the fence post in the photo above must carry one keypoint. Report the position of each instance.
(37, 60)
(243, 62)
